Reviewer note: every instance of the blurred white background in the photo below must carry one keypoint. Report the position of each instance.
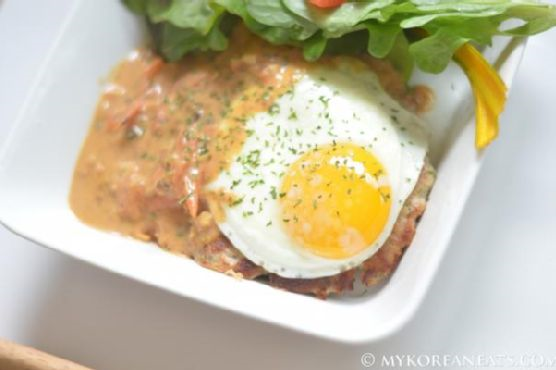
(494, 293)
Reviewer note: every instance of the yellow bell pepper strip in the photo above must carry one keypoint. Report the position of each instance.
(489, 90)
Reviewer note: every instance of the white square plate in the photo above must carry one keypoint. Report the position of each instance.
(37, 163)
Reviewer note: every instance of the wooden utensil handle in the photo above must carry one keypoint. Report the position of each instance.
(16, 357)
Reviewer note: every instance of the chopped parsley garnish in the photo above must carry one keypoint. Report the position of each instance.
(274, 109)
(236, 202)
(254, 183)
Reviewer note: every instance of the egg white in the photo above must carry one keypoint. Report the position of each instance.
(328, 105)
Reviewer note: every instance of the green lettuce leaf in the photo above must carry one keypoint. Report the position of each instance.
(199, 15)
(433, 53)
(379, 27)
(174, 42)
(382, 38)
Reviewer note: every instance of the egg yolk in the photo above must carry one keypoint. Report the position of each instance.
(335, 200)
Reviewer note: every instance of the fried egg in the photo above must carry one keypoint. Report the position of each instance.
(323, 174)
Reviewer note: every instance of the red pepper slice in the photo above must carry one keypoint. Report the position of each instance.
(327, 4)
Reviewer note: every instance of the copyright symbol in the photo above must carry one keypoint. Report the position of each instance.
(368, 360)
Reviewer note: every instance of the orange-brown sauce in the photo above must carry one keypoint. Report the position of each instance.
(163, 130)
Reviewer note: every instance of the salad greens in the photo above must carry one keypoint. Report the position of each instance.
(181, 26)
